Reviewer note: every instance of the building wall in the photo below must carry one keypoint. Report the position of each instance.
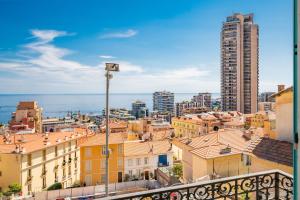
(284, 116)
(132, 166)
(9, 169)
(269, 129)
(184, 128)
(93, 164)
(259, 165)
(17, 168)
(225, 166)
(187, 166)
(56, 169)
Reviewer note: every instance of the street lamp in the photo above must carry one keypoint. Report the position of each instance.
(109, 67)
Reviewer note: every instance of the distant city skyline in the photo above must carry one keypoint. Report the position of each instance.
(159, 45)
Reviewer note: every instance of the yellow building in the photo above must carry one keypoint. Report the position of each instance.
(270, 126)
(257, 121)
(93, 159)
(36, 161)
(195, 125)
(186, 127)
(284, 114)
(228, 153)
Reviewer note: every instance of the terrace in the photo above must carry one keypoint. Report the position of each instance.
(266, 185)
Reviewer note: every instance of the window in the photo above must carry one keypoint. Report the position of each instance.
(29, 159)
(55, 177)
(44, 182)
(138, 161)
(120, 149)
(44, 155)
(130, 172)
(103, 178)
(103, 150)
(102, 164)
(56, 151)
(70, 148)
(146, 161)
(120, 162)
(69, 170)
(88, 165)
(130, 162)
(88, 152)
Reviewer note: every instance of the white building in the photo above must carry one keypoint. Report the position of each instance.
(143, 158)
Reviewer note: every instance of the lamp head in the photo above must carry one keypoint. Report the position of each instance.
(113, 67)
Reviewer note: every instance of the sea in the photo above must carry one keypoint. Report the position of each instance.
(58, 105)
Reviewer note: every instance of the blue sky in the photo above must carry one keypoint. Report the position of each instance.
(61, 46)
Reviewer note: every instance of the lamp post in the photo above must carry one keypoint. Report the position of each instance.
(109, 67)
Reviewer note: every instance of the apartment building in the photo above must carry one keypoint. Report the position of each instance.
(139, 109)
(36, 161)
(189, 107)
(266, 106)
(163, 102)
(203, 99)
(142, 158)
(93, 155)
(195, 125)
(239, 64)
(266, 97)
(28, 115)
(231, 152)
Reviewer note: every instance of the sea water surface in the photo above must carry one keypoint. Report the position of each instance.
(58, 105)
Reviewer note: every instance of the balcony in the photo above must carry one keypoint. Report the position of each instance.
(266, 185)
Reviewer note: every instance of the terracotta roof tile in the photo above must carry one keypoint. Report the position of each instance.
(273, 150)
(34, 142)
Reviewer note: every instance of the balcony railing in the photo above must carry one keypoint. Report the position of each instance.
(266, 185)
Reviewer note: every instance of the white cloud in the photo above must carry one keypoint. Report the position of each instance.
(47, 35)
(46, 64)
(126, 34)
(107, 56)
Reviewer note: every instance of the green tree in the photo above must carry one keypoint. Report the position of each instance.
(177, 170)
(14, 188)
(55, 186)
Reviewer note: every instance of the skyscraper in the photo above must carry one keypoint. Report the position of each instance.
(239, 64)
(163, 101)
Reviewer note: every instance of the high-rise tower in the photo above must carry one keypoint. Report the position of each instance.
(239, 64)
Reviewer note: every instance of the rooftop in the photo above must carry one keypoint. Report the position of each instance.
(273, 150)
(32, 142)
(99, 139)
(134, 148)
(212, 144)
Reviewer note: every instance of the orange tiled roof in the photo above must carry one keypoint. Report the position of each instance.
(137, 148)
(99, 139)
(209, 146)
(34, 142)
(187, 119)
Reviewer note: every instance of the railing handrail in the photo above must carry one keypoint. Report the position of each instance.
(190, 185)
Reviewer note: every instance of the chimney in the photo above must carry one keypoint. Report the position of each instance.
(280, 87)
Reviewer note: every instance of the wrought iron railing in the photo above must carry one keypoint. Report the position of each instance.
(260, 186)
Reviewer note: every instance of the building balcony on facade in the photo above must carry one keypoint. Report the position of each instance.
(163, 101)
